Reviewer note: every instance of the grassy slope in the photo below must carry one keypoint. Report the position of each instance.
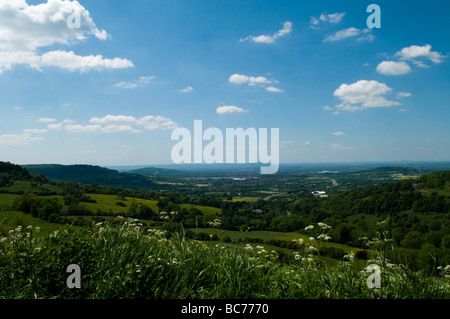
(126, 263)
(268, 235)
(12, 219)
(109, 202)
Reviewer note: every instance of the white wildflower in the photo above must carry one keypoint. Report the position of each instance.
(323, 225)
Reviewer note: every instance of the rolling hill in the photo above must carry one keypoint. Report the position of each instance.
(88, 174)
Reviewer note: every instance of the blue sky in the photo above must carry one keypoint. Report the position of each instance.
(111, 91)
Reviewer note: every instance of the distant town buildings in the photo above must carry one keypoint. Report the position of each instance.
(321, 194)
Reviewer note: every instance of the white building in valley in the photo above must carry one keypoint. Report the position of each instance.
(320, 194)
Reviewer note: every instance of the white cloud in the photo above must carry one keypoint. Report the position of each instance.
(8, 59)
(349, 33)
(327, 108)
(119, 128)
(343, 34)
(61, 59)
(34, 131)
(363, 95)
(239, 79)
(287, 28)
(25, 29)
(404, 94)
(393, 68)
(72, 62)
(250, 80)
(143, 80)
(273, 89)
(227, 109)
(368, 37)
(113, 119)
(116, 123)
(29, 27)
(14, 139)
(46, 120)
(307, 143)
(314, 21)
(414, 53)
(75, 128)
(186, 89)
(338, 133)
(330, 18)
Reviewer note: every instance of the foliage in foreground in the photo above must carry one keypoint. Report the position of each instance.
(123, 259)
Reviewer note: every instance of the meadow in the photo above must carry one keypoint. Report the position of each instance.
(107, 203)
(125, 259)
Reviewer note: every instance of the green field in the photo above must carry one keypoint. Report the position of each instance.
(6, 200)
(245, 199)
(28, 186)
(108, 203)
(269, 235)
(12, 219)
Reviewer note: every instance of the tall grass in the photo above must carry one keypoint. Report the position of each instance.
(124, 259)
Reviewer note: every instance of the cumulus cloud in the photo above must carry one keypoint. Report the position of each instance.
(287, 28)
(72, 62)
(26, 28)
(143, 80)
(416, 54)
(393, 68)
(338, 133)
(100, 129)
(250, 80)
(15, 139)
(228, 109)
(75, 128)
(274, 89)
(46, 120)
(404, 94)
(116, 124)
(186, 89)
(363, 95)
(34, 131)
(114, 119)
(29, 27)
(240, 79)
(323, 18)
(60, 59)
(122, 123)
(350, 33)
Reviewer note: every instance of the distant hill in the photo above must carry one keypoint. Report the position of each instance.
(9, 170)
(88, 174)
(390, 172)
(153, 171)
